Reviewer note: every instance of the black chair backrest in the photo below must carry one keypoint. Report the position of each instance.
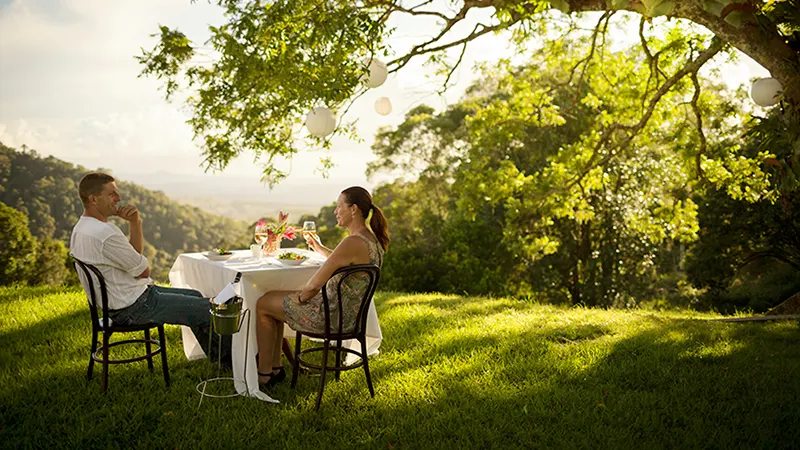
(373, 273)
(91, 293)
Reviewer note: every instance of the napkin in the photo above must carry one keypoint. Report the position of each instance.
(230, 290)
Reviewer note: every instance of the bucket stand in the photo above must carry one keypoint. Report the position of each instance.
(201, 387)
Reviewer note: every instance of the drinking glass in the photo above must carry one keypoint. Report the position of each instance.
(260, 234)
(309, 230)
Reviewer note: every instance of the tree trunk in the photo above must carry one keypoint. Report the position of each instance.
(766, 46)
(789, 306)
(584, 254)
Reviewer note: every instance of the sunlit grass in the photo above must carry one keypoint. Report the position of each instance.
(453, 372)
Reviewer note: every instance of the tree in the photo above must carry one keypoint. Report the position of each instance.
(52, 265)
(17, 246)
(501, 184)
(273, 61)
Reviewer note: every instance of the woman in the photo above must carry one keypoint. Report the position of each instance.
(303, 309)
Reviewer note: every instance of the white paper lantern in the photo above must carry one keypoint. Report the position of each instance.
(766, 91)
(383, 106)
(377, 73)
(321, 121)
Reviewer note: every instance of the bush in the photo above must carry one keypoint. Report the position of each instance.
(17, 247)
(51, 267)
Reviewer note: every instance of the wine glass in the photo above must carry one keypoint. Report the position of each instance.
(309, 230)
(260, 234)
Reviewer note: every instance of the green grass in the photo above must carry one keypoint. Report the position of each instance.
(454, 372)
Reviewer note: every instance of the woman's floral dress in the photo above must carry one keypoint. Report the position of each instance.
(310, 316)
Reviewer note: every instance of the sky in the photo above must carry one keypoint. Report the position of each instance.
(70, 88)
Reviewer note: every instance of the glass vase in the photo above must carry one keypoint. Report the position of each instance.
(272, 246)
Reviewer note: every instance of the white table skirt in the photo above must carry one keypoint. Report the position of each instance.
(195, 271)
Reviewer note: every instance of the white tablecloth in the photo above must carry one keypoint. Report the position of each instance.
(195, 271)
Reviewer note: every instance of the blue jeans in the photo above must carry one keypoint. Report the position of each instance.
(175, 306)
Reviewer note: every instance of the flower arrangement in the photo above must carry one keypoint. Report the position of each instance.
(270, 234)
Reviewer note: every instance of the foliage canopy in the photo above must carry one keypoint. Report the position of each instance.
(271, 61)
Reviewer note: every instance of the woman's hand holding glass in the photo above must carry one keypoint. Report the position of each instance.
(310, 234)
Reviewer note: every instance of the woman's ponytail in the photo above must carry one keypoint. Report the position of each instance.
(380, 227)
(360, 197)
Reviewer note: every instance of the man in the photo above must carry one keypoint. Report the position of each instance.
(132, 297)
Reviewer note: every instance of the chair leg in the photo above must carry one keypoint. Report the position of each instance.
(338, 358)
(287, 351)
(104, 381)
(296, 364)
(322, 375)
(91, 355)
(366, 366)
(163, 343)
(148, 349)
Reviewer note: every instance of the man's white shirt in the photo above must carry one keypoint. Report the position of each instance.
(103, 245)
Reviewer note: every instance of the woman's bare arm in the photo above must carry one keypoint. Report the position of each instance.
(350, 251)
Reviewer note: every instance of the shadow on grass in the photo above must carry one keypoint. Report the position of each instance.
(10, 294)
(646, 391)
(442, 311)
(47, 337)
(677, 383)
(456, 383)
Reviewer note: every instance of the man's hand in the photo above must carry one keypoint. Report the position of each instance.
(129, 213)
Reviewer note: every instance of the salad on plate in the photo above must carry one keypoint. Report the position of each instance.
(218, 254)
(291, 259)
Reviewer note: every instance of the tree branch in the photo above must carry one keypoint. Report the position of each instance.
(414, 11)
(422, 48)
(455, 66)
(699, 117)
(633, 130)
(585, 61)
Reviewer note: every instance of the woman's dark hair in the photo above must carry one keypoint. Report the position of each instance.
(360, 197)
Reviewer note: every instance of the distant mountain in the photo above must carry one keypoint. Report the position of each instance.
(248, 210)
(45, 189)
(243, 198)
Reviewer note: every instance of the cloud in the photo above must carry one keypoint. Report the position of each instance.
(71, 89)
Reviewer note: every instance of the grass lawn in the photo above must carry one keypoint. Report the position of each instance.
(453, 372)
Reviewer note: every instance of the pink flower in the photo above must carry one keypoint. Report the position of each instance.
(270, 233)
(261, 223)
(289, 233)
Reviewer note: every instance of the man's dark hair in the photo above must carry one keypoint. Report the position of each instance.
(92, 184)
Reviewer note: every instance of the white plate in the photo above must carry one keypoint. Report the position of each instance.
(214, 256)
(291, 262)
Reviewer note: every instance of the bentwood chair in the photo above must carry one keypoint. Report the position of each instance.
(102, 324)
(334, 334)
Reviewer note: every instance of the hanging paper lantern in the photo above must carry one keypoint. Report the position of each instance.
(377, 73)
(383, 106)
(766, 91)
(321, 121)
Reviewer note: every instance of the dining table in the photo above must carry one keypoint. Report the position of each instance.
(258, 275)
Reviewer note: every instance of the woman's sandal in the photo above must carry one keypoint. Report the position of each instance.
(277, 377)
(265, 383)
(274, 378)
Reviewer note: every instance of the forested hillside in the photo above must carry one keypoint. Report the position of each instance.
(45, 190)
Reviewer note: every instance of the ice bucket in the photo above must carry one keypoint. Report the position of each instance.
(225, 317)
